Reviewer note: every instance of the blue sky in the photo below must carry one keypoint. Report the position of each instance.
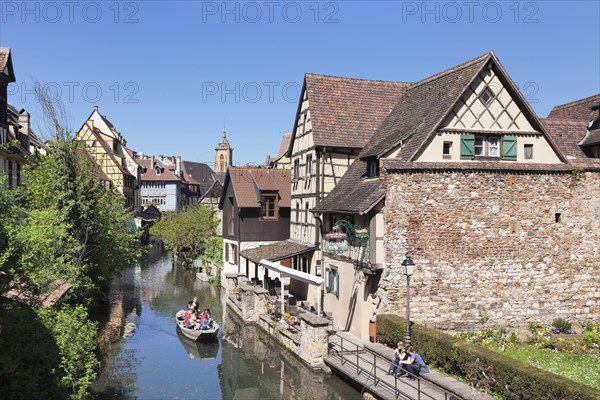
(170, 74)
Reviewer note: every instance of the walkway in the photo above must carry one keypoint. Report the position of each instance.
(366, 365)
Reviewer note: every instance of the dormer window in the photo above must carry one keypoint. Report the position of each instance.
(486, 96)
(157, 170)
(268, 206)
(372, 168)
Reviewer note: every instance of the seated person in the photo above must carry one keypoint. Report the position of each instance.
(399, 355)
(414, 365)
(195, 305)
(187, 320)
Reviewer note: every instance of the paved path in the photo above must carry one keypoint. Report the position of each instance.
(366, 365)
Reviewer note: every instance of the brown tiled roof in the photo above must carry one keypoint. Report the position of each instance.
(346, 111)
(276, 251)
(579, 109)
(588, 164)
(390, 164)
(248, 182)
(413, 122)
(592, 138)
(25, 295)
(197, 173)
(422, 108)
(567, 133)
(214, 191)
(152, 213)
(354, 193)
(151, 175)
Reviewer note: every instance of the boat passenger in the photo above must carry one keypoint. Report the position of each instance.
(196, 305)
(187, 319)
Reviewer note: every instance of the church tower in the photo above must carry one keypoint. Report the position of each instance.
(223, 154)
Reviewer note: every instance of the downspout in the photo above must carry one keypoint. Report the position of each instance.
(321, 303)
(239, 244)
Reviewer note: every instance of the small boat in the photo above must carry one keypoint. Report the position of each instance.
(199, 350)
(196, 335)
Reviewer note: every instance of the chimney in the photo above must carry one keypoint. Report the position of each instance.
(178, 166)
(152, 161)
(95, 108)
(24, 119)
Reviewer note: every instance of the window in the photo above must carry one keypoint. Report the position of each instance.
(268, 206)
(485, 146)
(486, 96)
(230, 217)
(332, 281)
(372, 168)
(528, 152)
(447, 151)
(296, 168)
(479, 146)
(308, 169)
(306, 214)
(494, 146)
(298, 212)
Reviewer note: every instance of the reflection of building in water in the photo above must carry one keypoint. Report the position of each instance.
(246, 350)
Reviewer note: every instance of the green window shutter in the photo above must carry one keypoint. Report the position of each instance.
(337, 283)
(509, 148)
(467, 146)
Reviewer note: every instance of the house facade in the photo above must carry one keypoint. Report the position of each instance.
(161, 183)
(17, 139)
(198, 178)
(482, 198)
(452, 186)
(11, 158)
(109, 149)
(255, 204)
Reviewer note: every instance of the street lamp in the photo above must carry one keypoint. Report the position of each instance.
(408, 268)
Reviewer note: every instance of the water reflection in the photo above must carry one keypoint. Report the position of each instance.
(153, 360)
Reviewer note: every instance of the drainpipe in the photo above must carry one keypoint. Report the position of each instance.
(321, 302)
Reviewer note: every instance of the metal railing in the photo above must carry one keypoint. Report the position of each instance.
(351, 354)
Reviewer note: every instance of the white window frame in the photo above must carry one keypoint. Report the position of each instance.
(449, 153)
(525, 147)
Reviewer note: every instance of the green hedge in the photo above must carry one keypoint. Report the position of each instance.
(512, 379)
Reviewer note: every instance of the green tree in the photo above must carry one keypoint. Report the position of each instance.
(186, 233)
(76, 229)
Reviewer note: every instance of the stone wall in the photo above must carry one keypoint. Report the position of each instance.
(508, 248)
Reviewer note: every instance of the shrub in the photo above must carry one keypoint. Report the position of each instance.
(561, 326)
(510, 378)
(591, 337)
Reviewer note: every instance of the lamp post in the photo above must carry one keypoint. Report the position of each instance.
(408, 268)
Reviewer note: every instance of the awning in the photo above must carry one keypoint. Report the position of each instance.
(276, 251)
(287, 271)
(293, 274)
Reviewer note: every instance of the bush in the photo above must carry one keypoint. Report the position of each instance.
(484, 368)
(562, 326)
(591, 337)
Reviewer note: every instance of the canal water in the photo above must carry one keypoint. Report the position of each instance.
(146, 357)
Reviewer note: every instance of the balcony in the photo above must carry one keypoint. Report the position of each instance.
(347, 242)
